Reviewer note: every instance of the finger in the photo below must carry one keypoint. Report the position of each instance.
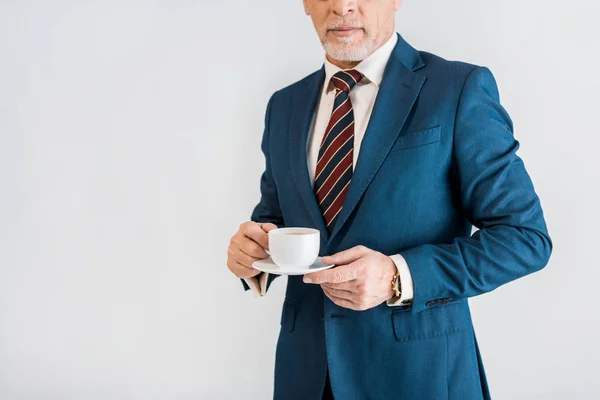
(343, 273)
(255, 232)
(267, 226)
(243, 258)
(350, 286)
(341, 302)
(347, 256)
(240, 270)
(340, 294)
(253, 249)
(352, 303)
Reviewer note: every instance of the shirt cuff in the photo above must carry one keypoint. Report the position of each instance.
(262, 280)
(406, 282)
(254, 285)
(258, 284)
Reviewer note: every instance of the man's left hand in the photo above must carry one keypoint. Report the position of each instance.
(361, 279)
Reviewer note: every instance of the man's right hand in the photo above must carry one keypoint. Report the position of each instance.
(246, 246)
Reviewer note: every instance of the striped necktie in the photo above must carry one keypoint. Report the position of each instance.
(334, 164)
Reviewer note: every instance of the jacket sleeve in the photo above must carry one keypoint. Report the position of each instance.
(267, 210)
(497, 196)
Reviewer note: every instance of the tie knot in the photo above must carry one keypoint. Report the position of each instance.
(345, 80)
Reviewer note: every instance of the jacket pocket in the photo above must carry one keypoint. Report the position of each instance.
(288, 316)
(419, 138)
(432, 322)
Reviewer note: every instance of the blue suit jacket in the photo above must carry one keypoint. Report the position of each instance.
(438, 157)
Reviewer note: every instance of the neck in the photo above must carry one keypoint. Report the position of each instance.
(342, 64)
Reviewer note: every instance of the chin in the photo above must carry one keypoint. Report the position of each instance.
(347, 51)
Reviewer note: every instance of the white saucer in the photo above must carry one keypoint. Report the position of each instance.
(267, 265)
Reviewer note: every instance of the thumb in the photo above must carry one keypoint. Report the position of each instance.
(267, 226)
(346, 256)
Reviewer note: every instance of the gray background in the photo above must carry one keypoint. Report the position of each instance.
(130, 153)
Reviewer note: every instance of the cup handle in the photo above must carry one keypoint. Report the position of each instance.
(268, 252)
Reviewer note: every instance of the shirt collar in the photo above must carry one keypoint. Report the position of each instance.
(371, 67)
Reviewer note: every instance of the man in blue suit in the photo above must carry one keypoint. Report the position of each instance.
(393, 154)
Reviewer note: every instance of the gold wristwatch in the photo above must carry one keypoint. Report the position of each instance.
(396, 285)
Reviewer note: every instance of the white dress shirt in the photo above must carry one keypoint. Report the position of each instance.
(362, 96)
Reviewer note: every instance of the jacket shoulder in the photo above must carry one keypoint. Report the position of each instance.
(437, 64)
(452, 75)
(432, 58)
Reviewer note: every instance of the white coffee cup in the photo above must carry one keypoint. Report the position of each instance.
(293, 248)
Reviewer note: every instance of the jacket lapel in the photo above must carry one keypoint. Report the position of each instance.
(398, 91)
(303, 106)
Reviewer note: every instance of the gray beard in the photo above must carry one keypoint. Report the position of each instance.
(346, 52)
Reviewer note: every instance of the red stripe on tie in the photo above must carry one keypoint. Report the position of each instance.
(351, 77)
(336, 206)
(333, 148)
(332, 179)
(338, 114)
(355, 74)
(340, 84)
